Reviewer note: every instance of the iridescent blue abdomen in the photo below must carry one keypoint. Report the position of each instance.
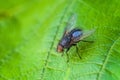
(76, 34)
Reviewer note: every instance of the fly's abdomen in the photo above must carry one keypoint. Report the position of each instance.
(76, 34)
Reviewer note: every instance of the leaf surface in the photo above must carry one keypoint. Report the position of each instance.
(31, 30)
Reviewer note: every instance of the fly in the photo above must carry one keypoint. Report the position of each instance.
(72, 36)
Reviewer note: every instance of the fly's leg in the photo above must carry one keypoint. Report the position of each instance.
(67, 57)
(78, 52)
(87, 41)
(67, 54)
(66, 51)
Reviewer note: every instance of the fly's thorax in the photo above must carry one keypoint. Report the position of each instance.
(65, 41)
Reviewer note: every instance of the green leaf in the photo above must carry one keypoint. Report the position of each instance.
(31, 30)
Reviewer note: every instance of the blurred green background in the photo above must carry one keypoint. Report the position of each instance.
(31, 29)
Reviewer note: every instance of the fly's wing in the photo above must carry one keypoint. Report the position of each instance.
(87, 34)
(71, 23)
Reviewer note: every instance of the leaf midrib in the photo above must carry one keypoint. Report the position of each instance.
(48, 54)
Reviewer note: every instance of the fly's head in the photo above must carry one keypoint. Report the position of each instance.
(60, 48)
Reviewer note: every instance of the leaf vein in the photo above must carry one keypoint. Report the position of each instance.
(106, 60)
(52, 45)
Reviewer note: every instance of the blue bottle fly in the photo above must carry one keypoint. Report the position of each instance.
(72, 36)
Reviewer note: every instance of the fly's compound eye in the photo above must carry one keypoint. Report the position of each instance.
(59, 48)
